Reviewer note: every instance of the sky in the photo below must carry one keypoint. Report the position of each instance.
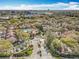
(39, 4)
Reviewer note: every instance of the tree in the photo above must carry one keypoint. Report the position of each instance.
(22, 35)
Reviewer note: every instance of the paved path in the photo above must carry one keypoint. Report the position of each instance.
(44, 53)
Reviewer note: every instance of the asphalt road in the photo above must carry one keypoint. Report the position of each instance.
(36, 49)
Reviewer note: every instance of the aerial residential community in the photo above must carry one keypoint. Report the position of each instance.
(39, 29)
(40, 35)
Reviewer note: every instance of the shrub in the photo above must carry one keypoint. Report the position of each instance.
(69, 42)
(4, 54)
(26, 52)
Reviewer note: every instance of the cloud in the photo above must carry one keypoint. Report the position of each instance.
(53, 6)
(73, 3)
